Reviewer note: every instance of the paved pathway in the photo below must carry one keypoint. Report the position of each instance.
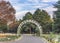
(28, 39)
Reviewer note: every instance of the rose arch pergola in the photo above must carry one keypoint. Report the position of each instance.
(32, 21)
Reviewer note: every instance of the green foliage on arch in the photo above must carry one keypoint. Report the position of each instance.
(30, 25)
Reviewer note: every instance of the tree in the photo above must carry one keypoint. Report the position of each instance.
(6, 13)
(57, 18)
(28, 26)
(42, 17)
(28, 16)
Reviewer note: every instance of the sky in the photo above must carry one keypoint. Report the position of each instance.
(24, 6)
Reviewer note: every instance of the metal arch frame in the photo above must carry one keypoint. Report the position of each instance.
(32, 21)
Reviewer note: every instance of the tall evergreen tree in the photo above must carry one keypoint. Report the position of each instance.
(57, 18)
(27, 16)
(44, 19)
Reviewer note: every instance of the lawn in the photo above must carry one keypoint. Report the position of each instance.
(8, 37)
(52, 38)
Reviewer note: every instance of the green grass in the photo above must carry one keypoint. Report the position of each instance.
(9, 38)
(50, 37)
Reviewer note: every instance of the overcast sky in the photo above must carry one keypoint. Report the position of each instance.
(23, 6)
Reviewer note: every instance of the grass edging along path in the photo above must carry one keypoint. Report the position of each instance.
(45, 37)
(52, 38)
(9, 37)
(45, 40)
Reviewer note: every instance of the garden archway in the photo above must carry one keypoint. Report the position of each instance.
(32, 21)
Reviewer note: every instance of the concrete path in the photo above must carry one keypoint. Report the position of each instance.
(28, 39)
